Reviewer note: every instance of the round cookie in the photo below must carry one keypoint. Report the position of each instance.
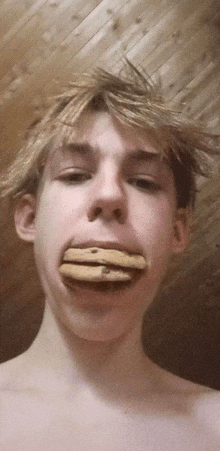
(98, 273)
(105, 256)
(100, 265)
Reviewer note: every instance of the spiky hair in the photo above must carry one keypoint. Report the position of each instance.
(134, 101)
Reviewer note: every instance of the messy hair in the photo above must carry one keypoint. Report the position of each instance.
(134, 101)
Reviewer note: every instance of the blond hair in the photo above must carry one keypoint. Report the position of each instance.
(133, 100)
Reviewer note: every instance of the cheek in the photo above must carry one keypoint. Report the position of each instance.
(49, 232)
(154, 222)
(156, 230)
(58, 213)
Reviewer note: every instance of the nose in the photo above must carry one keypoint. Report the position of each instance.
(107, 200)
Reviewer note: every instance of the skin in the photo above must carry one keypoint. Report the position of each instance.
(109, 178)
(85, 383)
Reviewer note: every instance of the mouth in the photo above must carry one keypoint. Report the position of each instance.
(101, 265)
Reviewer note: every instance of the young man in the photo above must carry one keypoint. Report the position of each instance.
(103, 189)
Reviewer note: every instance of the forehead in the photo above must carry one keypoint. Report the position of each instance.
(101, 127)
(98, 133)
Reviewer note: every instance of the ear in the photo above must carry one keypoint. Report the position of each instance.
(24, 217)
(181, 230)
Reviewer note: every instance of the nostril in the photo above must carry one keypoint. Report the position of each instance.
(95, 213)
(98, 211)
(118, 215)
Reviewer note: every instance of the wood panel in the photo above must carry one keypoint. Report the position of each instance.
(42, 42)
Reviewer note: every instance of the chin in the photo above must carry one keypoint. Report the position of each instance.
(97, 324)
(98, 311)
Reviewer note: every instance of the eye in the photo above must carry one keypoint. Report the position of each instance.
(144, 184)
(75, 177)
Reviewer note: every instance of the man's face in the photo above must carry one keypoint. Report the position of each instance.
(109, 188)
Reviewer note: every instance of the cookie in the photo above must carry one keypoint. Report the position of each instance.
(100, 273)
(105, 257)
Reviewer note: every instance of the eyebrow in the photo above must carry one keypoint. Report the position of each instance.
(147, 156)
(136, 154)
(144, 155)
(82, 148)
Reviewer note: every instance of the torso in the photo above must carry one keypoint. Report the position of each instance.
(34, 419)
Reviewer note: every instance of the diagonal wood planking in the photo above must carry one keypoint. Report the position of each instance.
(41, 44)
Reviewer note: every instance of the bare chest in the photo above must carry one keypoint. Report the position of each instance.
(64, 425)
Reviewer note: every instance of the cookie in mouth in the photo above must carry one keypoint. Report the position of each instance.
(100, 265)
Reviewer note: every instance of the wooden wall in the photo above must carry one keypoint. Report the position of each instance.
(42, 43)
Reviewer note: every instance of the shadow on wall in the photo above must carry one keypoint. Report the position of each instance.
(213, 22)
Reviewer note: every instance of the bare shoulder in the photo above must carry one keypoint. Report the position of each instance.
(181, 387)
(10, 372)
(202, 401)
(207, 407)
(204, 404)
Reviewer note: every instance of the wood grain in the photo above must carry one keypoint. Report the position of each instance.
(42, 43)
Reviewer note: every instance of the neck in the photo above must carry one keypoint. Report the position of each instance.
(73, 360)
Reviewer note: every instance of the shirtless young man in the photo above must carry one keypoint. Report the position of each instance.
(109, 167)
